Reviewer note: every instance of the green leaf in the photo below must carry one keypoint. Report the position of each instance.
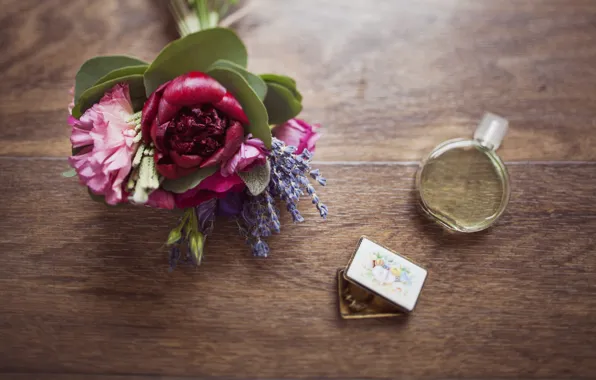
(69, 173)
(254, 81)
(94, 94)
(257, 179)
(122, 72)
(251, 104)
(194, 52)
(281, 103)
(180, 185)
(285, 81)
(96, 67)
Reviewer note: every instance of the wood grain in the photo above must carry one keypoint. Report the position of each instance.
(388, 79)
(85, 290)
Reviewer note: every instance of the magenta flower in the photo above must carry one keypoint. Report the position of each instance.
(214, 186)
(298, 133)
(251, 153)
(194, 123)
(105, 137)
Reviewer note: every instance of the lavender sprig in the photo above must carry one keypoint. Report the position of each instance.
(289, 178)
(259, 218)
(289, 181)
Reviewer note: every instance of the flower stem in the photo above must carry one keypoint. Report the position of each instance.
(195, 15)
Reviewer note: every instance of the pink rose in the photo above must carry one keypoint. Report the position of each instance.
(214, 186)
(298, 133)
(105, 138)
(251, 153)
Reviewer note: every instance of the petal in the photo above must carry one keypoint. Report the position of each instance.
(120, 159)
(192, 89)
(118, 98)
(113, 194)
(219, 183)
(186, 161)
(251, 153)
(158, 134)
(161, 199)
(298, 133)
(72, 121)
(193, 198)
(231, 165)
(230, 106)
(214, 159)
(231, 204)
(234, 137)
(168, 169)
(81, 158)
(98, 183)
(150, 111)
(80, 137)
(290, 133)
(198, 195)
(166, 111)
(312, 141)
(257, 143)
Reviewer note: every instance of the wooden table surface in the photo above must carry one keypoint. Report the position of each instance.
(85, 291)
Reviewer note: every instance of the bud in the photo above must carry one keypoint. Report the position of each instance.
(174, 236)
(197, 240)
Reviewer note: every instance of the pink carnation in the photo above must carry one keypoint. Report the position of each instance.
(251, 153)
(106, 140)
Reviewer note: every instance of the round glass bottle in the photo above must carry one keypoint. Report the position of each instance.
(463, 184)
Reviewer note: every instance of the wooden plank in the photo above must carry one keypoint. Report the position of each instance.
(83, 376)
(388, 80)
(85, 289)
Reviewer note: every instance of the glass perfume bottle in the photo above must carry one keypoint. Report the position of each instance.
(463, 184)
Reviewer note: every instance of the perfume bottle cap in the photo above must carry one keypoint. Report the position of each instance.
(491, 130)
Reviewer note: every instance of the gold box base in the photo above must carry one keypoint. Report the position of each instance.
(368, 304)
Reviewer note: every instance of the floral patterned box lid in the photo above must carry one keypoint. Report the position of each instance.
(386, 273)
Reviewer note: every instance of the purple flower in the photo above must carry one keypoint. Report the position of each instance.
(231, 204)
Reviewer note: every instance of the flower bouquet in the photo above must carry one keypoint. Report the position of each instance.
(194, 130)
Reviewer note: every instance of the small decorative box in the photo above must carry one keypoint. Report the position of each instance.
(378, 283)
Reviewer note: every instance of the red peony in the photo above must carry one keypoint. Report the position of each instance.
(194, 122)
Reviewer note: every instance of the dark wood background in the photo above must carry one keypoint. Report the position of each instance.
(85, 291)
